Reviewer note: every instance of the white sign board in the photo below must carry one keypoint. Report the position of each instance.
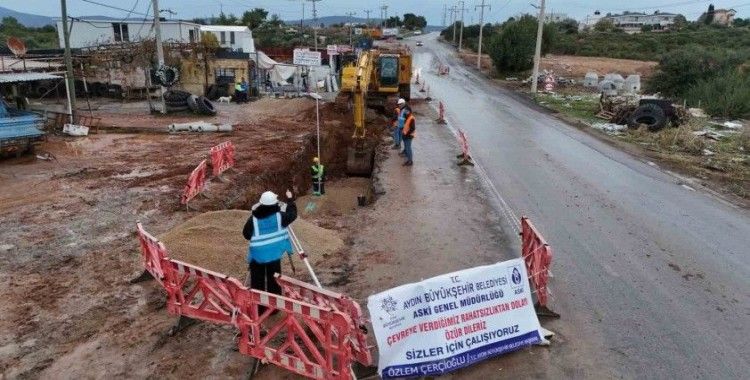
(358, 31)
(306, 57)
(454, 320)
(332, 49)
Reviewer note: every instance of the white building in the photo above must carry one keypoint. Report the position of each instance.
(93, 32)
(589, 21)
(633, 22)
(237, 38)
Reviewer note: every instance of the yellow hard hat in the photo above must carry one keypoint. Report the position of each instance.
(316, 160)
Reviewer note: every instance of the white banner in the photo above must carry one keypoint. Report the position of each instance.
(306, 57)
(332, 49)
(454, 320)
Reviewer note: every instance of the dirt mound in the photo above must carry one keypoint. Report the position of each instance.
(214, 241)
(340, 198)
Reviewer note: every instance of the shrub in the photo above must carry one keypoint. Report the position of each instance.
(724, 94)
(512, 50)
(682, 69)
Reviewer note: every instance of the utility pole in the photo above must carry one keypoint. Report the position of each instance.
(315, 26)
(68, 60)
(368, 11)
(481, 27)
(351, 26)
(445, 13)
(302, 20)
(461, 36)
(453, 23)
(385, 15)
(538, 51)
(159, 48)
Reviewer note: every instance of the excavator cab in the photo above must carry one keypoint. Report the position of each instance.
(388, 71)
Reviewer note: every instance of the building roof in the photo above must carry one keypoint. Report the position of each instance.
(109, 20)
(26, 77)
(9, 63)
(224, 28)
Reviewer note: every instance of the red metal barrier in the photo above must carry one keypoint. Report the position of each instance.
(538, 256)
(318, 340)
(196, 183)
(198, 293)
(441, 113)
(303, 338)
(222, 157)
(153, 252)
(302, 291)
(464, 158)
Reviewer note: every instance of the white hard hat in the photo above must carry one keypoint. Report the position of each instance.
(401, 101)
(269, 198)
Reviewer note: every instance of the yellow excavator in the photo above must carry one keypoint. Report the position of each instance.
(375, 78)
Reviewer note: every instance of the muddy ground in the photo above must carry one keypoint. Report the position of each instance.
(68, 245)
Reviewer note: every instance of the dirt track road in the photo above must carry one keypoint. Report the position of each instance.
(650, 275)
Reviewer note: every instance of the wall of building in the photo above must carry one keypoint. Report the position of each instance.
(195, 79)
(92, 33)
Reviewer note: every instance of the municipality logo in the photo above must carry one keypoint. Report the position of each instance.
(516, 277)
(389, 305)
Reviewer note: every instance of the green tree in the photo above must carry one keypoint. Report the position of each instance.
(209, 41)
(393, 22)
(412, 21)
(679, 22)
(647, 28)
(512, 50)
(567, 26)
(709, 15)
(604, 25)
(254, 18)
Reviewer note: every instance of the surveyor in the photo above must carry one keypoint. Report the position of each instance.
(266, 228)
(408, 134)
(318, 177)
(401, 106)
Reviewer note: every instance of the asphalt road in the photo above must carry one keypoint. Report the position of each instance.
(652, 277)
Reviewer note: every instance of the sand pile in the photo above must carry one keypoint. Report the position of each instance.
(214, 241)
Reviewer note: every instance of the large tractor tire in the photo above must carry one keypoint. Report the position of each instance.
(404, 91)
(650, 115)
(205, 106)
(192, 103)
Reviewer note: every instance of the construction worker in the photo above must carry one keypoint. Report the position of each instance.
(401, 106)
(408, 134)
(318, 177)
(266, 228)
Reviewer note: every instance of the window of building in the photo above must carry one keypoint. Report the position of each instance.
(120, 32)
(231, 38)
(223, 37)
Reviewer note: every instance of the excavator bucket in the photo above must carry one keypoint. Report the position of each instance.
(360, 161)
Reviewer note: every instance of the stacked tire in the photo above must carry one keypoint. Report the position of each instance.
(180, 101)
(176, 100)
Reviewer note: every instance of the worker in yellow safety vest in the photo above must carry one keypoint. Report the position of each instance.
(318, 177)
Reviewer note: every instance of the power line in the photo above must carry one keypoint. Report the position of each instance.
(113, 7)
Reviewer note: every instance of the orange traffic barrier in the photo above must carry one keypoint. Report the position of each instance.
(309, 293)
(303, 338)
(195, 184)
(311, 332)
(464, 158)
(152, 253)
(222, 158)
(537, 255)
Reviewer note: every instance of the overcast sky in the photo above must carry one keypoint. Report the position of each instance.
(432, 9)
